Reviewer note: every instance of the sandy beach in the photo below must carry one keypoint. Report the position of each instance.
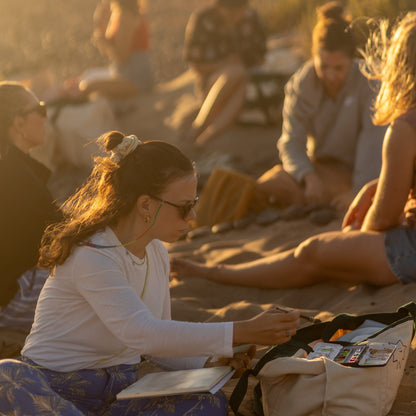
(63, 45)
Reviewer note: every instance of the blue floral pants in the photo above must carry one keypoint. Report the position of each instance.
(18, 314)
(27, 389)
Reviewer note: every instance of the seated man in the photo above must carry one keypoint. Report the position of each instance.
(221, 42)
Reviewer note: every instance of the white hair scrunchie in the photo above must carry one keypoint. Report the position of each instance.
(125, 147)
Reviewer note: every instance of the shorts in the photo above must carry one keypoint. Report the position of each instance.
(400, 244)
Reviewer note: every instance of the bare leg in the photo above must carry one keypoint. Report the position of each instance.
(354, 257)
(225, 116)
(222, 104)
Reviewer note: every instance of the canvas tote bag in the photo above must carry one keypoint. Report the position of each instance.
(291, 385)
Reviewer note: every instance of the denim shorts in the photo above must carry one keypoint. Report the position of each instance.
(400, 243)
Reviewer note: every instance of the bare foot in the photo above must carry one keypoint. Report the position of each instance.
(182, 268)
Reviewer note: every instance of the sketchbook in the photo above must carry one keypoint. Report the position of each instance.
(166, 383)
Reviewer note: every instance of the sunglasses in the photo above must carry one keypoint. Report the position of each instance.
(40, 108)
(184, 209)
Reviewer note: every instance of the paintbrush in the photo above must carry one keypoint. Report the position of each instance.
(306, 317)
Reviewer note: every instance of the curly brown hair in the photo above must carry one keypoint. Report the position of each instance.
(111, 192)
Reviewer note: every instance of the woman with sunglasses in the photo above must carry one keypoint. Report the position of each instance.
(106, 303)
(26, 205)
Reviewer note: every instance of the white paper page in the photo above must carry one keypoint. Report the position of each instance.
(221, 383)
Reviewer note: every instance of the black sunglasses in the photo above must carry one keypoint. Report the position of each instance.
(184, 209)
(40, 108)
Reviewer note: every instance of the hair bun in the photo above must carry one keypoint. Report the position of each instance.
(332, 10)
(111, 140)
(127, 145)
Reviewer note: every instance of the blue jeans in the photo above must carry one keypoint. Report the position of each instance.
(27, 389)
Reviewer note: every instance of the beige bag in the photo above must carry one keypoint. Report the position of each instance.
(296, 386)
(291, 385)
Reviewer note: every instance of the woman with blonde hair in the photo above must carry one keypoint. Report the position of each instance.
(106, 303)
(378, 241)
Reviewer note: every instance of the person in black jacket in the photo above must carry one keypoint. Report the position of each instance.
(26, 205)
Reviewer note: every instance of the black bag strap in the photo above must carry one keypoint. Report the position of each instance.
(347, 321)
(239, 392)
(410, 308)
(283, 350)
(257, 402)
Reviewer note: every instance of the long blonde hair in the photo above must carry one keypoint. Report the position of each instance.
(390, 57)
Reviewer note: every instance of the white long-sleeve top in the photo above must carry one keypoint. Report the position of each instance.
(90, 314)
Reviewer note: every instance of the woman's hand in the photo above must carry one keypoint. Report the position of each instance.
(354, 218)
(271, 327)
(240, 361)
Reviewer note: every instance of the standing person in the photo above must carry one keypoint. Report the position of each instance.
(329, 147)
(107, 303)
(378, 245)
(221, 42)
(26, 205)
(121, 33)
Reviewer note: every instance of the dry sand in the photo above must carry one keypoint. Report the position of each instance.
(32, 37)
(201, 300)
